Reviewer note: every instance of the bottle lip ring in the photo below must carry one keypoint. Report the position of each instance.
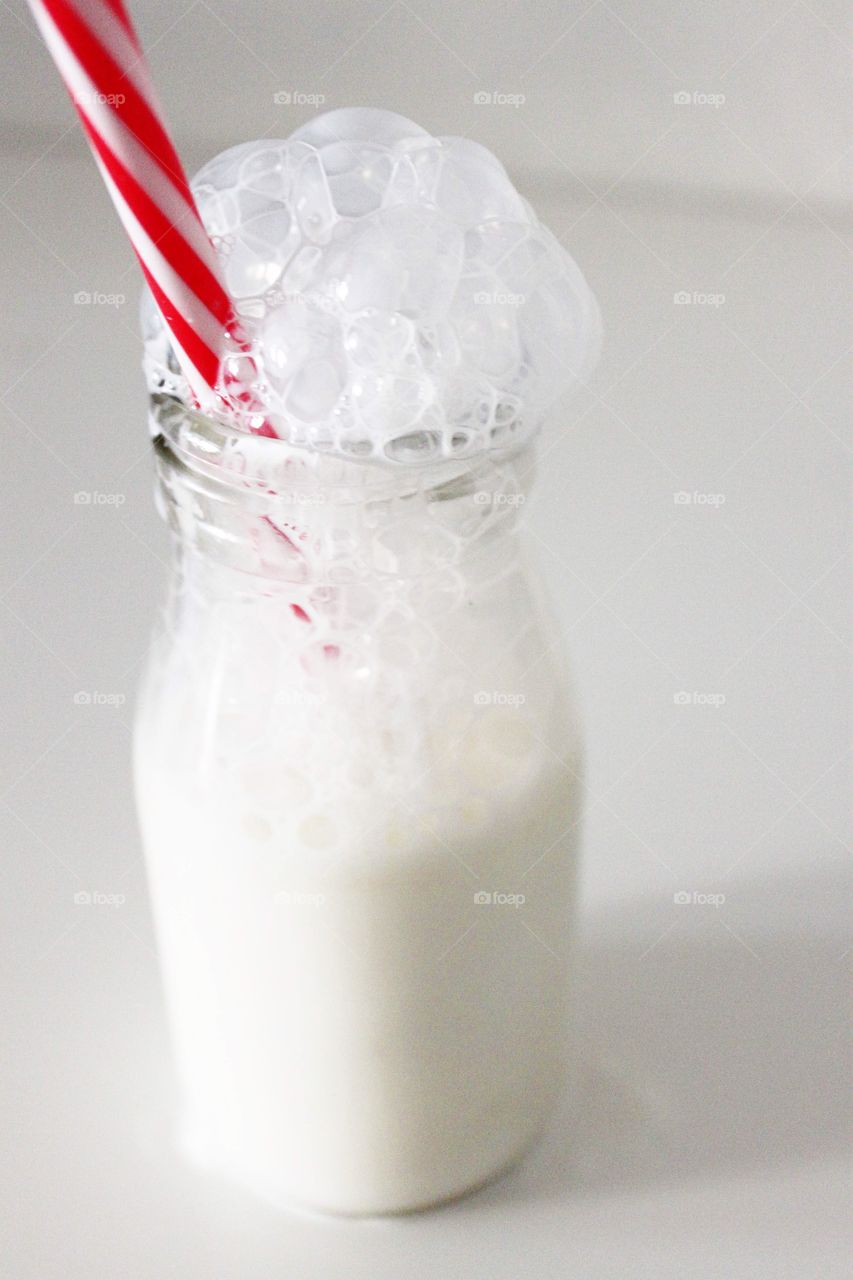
(202, 444)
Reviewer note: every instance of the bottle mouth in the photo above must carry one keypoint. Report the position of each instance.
(232, 457)
(273, 511)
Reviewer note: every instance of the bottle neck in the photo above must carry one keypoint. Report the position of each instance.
(260, 507)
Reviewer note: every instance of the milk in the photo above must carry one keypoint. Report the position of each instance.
(358, 1033)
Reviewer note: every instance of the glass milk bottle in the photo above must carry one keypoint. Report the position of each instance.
(358, 782)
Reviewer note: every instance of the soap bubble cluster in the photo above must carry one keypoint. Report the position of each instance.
(398, 297)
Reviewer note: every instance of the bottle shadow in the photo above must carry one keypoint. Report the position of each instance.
(705, 1043)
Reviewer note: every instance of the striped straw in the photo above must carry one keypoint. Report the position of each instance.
(99, 57)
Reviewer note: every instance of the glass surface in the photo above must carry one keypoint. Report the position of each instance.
(358, 782)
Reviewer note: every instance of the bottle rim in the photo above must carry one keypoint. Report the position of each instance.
(201, 445)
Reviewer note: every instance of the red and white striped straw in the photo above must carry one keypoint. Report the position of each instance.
(99, 57)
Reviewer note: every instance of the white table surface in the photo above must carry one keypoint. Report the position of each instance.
(705, 1137)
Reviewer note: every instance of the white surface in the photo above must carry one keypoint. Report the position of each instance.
(711, 1105)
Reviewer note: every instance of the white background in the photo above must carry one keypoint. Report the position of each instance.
(706, 1130)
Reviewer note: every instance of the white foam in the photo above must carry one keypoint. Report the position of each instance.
(391, 285)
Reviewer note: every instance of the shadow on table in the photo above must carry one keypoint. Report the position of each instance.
(709, 1038)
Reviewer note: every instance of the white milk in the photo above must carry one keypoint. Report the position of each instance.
(356, 1032)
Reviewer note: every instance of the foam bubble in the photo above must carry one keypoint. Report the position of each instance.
(399, 299)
